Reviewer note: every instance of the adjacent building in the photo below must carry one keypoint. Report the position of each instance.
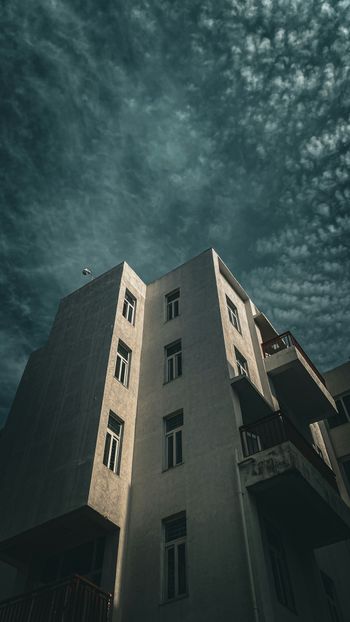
(166, 446)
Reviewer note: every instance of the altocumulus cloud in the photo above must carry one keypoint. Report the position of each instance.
(148, 131)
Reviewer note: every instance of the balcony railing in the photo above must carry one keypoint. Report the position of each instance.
(276, 429)
(286, 340)
(71, 600)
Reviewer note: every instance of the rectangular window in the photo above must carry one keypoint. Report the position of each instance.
(113, 444)
(173, 361)
(172, 304)
(129, 307)
(233, 314)
(175, 568)
(331, 595)
(123, 363)
(343, 406)
(173, 440)
(279, 567)
(242, 364)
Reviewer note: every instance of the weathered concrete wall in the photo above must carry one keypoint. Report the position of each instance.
(48, 444)
(204, 485)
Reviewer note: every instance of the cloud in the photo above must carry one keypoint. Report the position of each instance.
(149, 132)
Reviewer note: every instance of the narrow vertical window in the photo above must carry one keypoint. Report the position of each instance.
(175, 565)
(173, 361)
(242, 365)
(172, 304)
(113, 443)
(173, 440)
(279, 567)
(129, 307)
(331, 595)
(122, 369)
(233, 314)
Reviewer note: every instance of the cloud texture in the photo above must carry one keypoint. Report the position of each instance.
(148, 131)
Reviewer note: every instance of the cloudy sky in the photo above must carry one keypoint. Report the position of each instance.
(151, 130)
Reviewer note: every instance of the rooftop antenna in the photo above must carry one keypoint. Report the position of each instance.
(87, 272)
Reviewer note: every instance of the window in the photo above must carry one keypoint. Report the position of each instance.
(346, 471)
(173, 356)
(233, 314)
(343, 416)
(331, 595)
(173, 440)
(113, 444)
(123, 363)
(175, 579)
(242, 364)
(279, 567)
(129, 307)
(172, 304)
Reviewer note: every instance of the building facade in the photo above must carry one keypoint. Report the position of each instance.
(166, 445)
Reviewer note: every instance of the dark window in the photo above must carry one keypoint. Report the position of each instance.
(122, 369)
(173, 440)
(233, 314)
(113, 443)
(343, 416)
(173, 362)
(175, 569)
(279, 567)
(331, 595)
(172, 304)
(129, 307)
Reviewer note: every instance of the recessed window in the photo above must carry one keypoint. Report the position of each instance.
(173, 361)
(113, 443)
(129, 307)
(173, 440)
(343, 416)
(279, 567)
(122, 369)
(332, 600)
(233, 314)
(175, 570)
(172, 301)
(242, 365)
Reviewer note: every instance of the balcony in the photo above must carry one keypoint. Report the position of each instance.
(276, 429)
(71, 600)
(297, 382)
(292, 482)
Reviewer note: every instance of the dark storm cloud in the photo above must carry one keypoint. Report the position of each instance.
(148, 131)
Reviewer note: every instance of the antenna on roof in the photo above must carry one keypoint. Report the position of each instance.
(87, 272)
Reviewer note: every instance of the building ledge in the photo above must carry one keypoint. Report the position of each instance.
(295, 492)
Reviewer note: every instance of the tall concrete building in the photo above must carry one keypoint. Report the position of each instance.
(165, 446)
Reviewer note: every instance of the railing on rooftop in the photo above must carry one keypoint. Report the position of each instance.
(286, 340)
(276, 429)
(71, 600)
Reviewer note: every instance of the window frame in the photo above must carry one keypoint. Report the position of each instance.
(242, 367)
(175, 545)
(172, 307)
(173, 434)
(173, 362)
(129, 307)
(112, 435)
(279, 567)
(233, 314)
(123, 376)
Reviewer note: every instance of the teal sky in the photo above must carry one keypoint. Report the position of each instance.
(149, 131)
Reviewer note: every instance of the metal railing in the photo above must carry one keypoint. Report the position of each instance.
(276, 429)
(71, 600)
(286, 340)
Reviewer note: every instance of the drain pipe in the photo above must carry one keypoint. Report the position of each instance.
(245, 535)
